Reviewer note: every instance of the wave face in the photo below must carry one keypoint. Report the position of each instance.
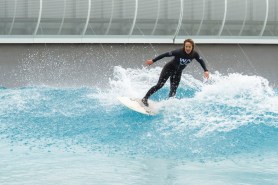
(225, 116)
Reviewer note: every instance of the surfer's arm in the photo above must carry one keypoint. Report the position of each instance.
(167, 54)
(203, 64)
(201, 61)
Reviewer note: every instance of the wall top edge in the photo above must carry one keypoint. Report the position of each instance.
(139, 40)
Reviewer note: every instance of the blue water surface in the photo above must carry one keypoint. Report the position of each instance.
(194, 131)
(72, 116)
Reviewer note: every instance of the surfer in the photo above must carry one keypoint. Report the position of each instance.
(173, 69)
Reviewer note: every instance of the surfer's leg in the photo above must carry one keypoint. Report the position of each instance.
(174, 83)
(164, 75)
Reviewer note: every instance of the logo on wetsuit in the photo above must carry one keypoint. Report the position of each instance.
(184, 61)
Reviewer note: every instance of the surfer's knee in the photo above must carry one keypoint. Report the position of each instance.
(159, 85)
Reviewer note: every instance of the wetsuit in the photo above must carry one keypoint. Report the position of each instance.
(173, 69)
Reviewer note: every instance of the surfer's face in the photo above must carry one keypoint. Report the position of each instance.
(188, 47)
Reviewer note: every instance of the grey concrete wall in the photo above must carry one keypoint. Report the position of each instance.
(71, 65)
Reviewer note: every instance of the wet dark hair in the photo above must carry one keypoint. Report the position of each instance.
(191, 42)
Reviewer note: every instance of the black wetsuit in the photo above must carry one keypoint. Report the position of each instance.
(173, 69)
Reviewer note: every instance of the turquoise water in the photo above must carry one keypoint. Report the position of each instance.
(221, 131)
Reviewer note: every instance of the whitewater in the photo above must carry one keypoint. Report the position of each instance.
(223, 130)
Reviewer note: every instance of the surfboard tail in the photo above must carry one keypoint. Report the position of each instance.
(137, 105)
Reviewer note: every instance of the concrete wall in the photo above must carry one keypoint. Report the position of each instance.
(77, 65)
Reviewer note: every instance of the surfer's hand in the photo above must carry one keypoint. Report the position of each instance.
(149, 62)
(206, 74)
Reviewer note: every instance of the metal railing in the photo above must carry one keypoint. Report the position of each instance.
(138, 20)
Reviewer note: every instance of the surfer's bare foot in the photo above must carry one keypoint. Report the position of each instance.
(145, 102)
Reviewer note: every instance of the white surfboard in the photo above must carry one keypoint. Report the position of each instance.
(136, 105)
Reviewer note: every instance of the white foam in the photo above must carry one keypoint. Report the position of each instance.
(226, 103)
(128, 82)
(223, 103)
(136, 82)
